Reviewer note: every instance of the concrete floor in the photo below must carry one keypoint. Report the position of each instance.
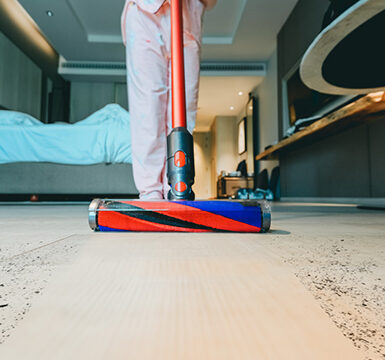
(337, 252)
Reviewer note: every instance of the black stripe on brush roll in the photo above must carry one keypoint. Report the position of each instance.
(157, 218)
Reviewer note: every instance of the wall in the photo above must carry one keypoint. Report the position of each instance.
(20, 80)
(226, 145)
(224, 148)
(121, 95)
(347, 165)
(202, 153)
(248, 155)
(376, 152)
(23, 32)
(213, 132)
(267, 93)
(88, 97)
(35, 52)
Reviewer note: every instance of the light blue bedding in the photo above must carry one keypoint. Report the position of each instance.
(103, 137)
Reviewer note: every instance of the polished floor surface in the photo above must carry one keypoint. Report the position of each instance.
(337, 253)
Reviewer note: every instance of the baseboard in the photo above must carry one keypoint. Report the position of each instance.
(362, 202)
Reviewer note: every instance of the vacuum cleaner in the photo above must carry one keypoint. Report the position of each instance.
(180, 212)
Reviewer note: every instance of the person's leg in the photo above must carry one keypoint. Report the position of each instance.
(166, 186)
(147, 80)
(192, 19)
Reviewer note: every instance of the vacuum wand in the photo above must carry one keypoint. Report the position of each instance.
(180, 148)
(177, 66)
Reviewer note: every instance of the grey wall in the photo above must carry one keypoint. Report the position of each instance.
(121, 95)
(88, 97)
(24, 51)
(376, 144)
(20, 80)
(350, 164)
(226, 145)
(315, 171)
(23, 32)
(268, 111)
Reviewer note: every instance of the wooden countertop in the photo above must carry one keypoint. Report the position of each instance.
(367, 108)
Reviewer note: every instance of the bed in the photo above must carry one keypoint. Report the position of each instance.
(52, 161)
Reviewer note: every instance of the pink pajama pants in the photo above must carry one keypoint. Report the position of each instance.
(149, 88)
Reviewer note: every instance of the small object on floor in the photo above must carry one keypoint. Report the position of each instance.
(3, 305)
(34, 198)
(180, 216)
(257, 194)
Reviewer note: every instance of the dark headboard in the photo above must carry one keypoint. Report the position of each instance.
(3, 108)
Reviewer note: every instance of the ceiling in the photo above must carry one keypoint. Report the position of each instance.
(90, 29)
(235, 30)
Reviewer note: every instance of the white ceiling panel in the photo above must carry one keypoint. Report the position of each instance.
(108, 24)
(89, 30)
(223, 32)
(256, 34)
(68, 28)
(106, 30)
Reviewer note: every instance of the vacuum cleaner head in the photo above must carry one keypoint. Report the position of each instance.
(180, 216)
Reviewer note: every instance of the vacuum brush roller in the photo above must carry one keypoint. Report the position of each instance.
(180, 216)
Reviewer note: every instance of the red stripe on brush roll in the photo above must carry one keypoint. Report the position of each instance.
(118, 221)
(194, 215)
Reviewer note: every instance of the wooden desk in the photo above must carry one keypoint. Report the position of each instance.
(367, 108)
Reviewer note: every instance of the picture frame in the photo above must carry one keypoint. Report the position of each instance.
(242, 136)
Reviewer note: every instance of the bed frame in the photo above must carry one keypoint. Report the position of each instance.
(19, 181)
(49, 181)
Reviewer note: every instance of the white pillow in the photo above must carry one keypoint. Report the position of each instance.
(17, 118)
